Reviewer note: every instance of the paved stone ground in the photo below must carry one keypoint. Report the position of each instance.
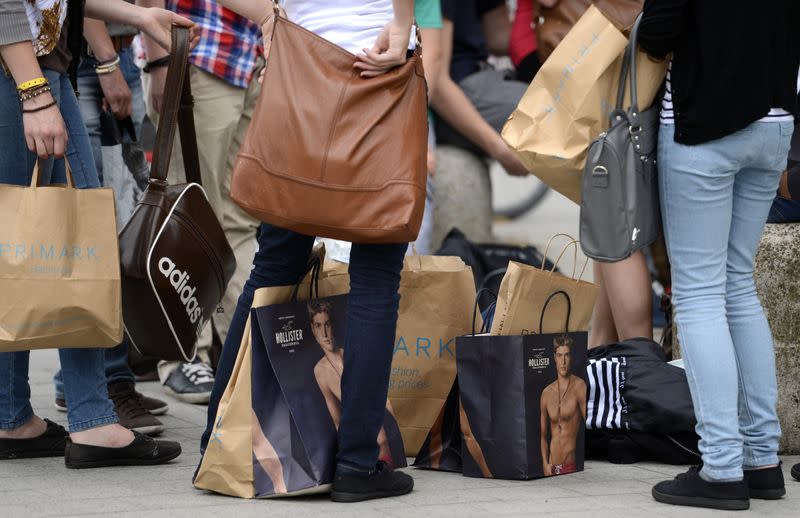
(44, 487)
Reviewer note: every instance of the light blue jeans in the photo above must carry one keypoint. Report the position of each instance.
(83, 371)
(715, 198)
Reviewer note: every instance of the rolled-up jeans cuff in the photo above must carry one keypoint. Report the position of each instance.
(13, 425)
(93, 423)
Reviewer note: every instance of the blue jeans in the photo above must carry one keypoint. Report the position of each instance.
(125, 191)
(371, 325)
(715, 198)
(84, 376)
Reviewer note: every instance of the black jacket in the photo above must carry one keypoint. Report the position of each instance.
(733, 60)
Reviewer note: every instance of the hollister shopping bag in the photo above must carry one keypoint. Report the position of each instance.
(525, 289)
(59, 267)
(227, 466)
(523, 400)
(569, 102)
(436, 295)
(298, 360)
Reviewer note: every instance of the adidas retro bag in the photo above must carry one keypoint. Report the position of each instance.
(176, 261)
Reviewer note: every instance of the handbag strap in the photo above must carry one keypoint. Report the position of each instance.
(629, 70)
(177, 112)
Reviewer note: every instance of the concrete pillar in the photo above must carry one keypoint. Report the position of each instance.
(777, 277)
(462, 196)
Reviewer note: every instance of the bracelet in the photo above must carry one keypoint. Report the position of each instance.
(107, 67)
(30, 94)
(33, 83)
(105, 70)
(40, 108)
(156, 63)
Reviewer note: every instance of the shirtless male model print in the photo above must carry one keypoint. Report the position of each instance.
(328, 370)
(563, 410)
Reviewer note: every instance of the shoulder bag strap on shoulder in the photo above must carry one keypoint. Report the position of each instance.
(177, 112)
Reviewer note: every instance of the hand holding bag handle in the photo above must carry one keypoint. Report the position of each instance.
(177, 113)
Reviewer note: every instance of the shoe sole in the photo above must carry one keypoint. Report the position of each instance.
(194, 399)
(342, 497)
(107, 463)
(699, 501)
(159, 411)
(768, 494)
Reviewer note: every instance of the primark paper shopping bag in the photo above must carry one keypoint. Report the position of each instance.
(525, 289)
(523, 400)
(59, 267)
(570, 100)
(436, 294)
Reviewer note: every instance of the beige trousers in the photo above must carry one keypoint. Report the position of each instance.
(222, 114)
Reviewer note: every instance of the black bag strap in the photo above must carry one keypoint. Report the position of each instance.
(177, 113)
(484, 326)
(547, 302)
(314, 267)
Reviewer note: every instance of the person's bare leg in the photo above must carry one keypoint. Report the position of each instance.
(108, 436)
(602, 330)
(472, 445)
(629, 290)
(33, 427)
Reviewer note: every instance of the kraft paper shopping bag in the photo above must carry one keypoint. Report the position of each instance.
(570, 100)
(59, 267)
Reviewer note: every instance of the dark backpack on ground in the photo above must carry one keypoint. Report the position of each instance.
(489, 261)
(639, 406)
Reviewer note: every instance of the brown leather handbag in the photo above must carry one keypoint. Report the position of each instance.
(176, 261)
(556, 21)
(329, 153)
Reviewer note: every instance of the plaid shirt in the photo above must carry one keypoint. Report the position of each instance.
(229, 43)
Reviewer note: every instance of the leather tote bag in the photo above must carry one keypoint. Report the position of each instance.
(620, 211)
(176, 261)
(332, 154)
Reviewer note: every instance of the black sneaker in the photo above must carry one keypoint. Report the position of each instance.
(691, 490)
(383, 483)
(143, 451)
(765, 484)
(191, 382)
(50, 444)
(796, 472)
(151, 404)
(129, 406)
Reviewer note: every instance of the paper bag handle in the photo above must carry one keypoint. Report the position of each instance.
(484, 326)
(37, 167)
(314, 267)
(547, 302)
(574, 243)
